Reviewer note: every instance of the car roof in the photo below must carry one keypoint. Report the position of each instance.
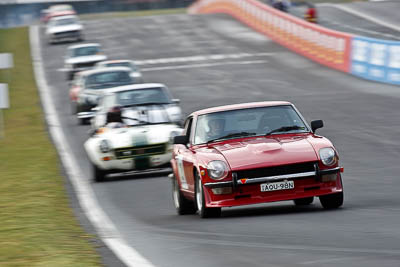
(83, 45)
(135, 87)
(100, 70)
(115, 61)
(241, 106)
(61, 6)
(61, 13)
(63, 17)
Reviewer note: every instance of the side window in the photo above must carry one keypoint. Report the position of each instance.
(188, 127)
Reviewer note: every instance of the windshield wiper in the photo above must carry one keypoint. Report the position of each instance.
(286, 129)
(232, 135)
(145, 104)
(134, 119)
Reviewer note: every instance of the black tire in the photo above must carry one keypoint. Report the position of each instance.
(332, 201)
(182, 205)
(82, 121)
(98, 174)
(74, 109)
(70, 76)
(204, 212)
(303, 201)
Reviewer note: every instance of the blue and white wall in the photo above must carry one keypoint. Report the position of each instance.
(376, 59)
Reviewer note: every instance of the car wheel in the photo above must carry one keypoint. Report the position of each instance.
(303, 201)
(183, 206)
(98, 174)
(204, 212)
(74, 108)
(82, 121)
(332, 201)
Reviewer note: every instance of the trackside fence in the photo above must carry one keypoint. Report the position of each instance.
(368, 58)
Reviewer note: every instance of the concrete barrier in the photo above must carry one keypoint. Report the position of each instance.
(368, 58)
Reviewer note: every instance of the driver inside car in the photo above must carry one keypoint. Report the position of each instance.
(216, 128)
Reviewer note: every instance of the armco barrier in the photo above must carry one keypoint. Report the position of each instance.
(368, 58)
(376, 60)
(328, 47)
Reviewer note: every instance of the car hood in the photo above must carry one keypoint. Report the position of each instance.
(85, 59)
(267, 151)
(64, 28)
(136, 135)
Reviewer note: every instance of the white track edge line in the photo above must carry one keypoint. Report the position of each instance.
(106, 230)
(364, 16)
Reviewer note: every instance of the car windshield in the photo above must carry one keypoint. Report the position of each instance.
(86, 51)
(108, 79)
(121, 64)
(143, 97)
(63, 22)
(248, 122)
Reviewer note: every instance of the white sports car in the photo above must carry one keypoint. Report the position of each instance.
(82, 57)
(117, 147)
(64, 28)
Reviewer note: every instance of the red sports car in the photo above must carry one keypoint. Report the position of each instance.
(252, 153)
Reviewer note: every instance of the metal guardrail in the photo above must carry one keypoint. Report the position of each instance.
(372, 59)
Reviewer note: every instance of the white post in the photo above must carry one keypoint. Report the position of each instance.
(4, 103)
(2, 135)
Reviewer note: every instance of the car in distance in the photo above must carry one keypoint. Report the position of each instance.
(56, 10)
(134, 98)
(252, 153)
(82, 57)
(135, 72)
(147, 144)
(63, 28)
(91, 84)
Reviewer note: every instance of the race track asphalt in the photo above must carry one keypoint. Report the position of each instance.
(361, 118)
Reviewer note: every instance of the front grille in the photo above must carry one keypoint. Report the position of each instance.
(68, 33)
(85, 65)
(277, 170)
(132, 152)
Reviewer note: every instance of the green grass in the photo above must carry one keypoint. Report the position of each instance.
(37, 225)
(151, 12)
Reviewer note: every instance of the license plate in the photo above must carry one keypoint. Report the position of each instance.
(285, 185)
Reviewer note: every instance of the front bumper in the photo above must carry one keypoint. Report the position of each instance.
(248, 191)
(110, 163)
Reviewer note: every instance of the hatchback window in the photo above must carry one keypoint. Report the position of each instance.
(143, 96)
(86, 51)
(109, 79)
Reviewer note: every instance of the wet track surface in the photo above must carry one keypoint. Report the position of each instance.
(361, 118)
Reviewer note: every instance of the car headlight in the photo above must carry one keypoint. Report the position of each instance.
(104, 146)
(217, 169)
(327, 156)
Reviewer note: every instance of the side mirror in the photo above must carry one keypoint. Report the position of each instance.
(181, 140)
(176, 101)
(316, 125)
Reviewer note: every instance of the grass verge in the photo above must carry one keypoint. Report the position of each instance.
(152, 12)
(37, 226)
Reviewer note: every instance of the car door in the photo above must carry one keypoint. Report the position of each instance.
(185, 160)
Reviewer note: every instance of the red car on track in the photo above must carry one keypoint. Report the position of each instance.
(252, 153)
